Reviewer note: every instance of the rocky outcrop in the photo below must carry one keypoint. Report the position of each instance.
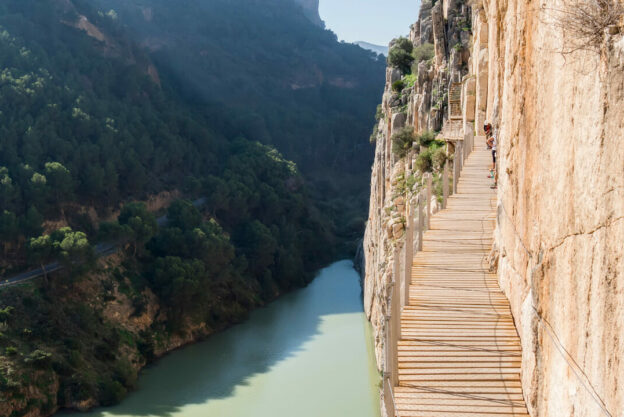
(395, 179)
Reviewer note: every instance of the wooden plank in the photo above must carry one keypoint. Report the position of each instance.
(459, 354)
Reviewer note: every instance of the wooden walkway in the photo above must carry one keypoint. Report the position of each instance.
(459, 353)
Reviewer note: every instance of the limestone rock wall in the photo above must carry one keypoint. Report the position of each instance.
(559, 116)
(560, 234)
(422, 105)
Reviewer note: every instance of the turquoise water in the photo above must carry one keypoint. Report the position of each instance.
(309, 354)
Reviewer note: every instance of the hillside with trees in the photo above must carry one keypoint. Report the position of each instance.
(96, 119)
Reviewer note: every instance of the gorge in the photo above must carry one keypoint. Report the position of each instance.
(115, 117)
(217, 150)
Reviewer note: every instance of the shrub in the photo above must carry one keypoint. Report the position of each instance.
(410, 80)
(402, 141)
(423, 52)
(39, 358)
(112, 392)
(5, 314)
(400, 55)
(426, 138)
(379, 113)
(398, 86)
(10, 350)
(439, 158)
(584, 22)
(373, 136)
(403, 43)
(424, 162)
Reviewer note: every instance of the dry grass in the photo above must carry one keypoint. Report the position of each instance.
(585, 23)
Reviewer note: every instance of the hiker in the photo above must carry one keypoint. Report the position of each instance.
(492, 142)
(487, 128)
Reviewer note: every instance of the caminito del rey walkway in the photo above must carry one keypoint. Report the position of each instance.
(459, 353)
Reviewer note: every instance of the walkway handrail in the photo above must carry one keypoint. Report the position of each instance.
(463, 149)
(398, 297)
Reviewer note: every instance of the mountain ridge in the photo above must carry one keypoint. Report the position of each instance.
(379, 49)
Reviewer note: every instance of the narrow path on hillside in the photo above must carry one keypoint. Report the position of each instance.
(459, 353)
(101, 250)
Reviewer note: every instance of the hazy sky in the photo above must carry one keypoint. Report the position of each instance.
(374, 21)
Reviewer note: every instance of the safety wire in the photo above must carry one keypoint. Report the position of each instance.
(567, 357)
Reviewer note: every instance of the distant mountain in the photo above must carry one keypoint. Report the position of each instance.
(383, 50)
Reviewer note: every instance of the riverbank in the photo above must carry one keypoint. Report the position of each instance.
(306, 354)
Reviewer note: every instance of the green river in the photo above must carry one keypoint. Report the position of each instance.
(309, 354)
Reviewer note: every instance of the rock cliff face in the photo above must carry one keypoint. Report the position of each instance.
(556, 98)
(561, 201)
(441, 40)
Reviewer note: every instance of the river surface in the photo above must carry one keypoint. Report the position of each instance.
(309, 354)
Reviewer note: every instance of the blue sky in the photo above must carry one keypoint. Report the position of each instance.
(374, 21)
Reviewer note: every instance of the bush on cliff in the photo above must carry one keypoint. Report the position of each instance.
(398, 86)
(426, 138)
(402, 141)
(423, 52)
(424, 161)
(400, 55)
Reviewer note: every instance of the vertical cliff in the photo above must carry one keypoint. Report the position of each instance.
(415, 98)
(550, 77)
(557, 98)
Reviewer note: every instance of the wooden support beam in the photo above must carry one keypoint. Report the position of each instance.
(428, 194)
(409, 254)
(456, 167)
(421, 223)
(445, 184)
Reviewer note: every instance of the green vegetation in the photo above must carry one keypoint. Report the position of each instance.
(88, 131)
(402, 141)
(82, 129)
(379, 113)
(263, 71)
(426, 138)
(433, 157)
(373, 136)
(424, 52)
(410, 80)
(400, 55)
(423, 162)
(71, 248)
(439, 158)
(398, 86)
